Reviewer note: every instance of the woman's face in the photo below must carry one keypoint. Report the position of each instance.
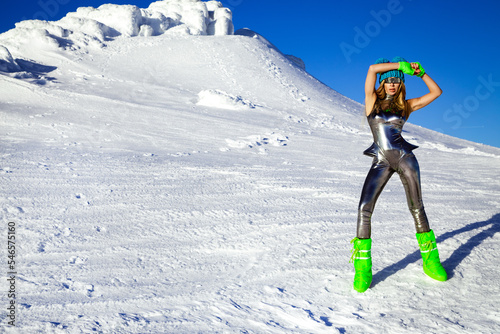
(391, 85)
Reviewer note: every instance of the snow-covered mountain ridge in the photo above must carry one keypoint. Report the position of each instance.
(184, 181)
(93, 27)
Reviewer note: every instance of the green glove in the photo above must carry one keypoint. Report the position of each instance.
(422, 71)
(405, 67)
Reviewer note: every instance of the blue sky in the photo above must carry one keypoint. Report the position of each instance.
(455, 41)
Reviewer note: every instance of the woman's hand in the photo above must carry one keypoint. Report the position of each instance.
(416, 68)
(419, 70)
(411, 68)
(406, 68)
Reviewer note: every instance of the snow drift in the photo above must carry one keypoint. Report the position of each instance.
(94, 27)
(7, 63)
(164, 178)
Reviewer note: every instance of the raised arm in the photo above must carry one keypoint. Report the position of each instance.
(434, 92)
(371, 79)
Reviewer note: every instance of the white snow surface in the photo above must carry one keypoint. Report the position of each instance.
(184, 183)
(220, 99)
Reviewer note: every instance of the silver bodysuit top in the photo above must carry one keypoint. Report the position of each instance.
(386, 129)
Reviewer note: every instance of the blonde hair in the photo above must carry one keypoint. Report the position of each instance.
(398, 102)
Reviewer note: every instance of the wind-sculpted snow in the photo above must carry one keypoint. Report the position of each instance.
(7, 63)
(90, 27)
(179, 183)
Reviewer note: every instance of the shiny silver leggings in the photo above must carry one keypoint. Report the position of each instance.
(406, 166)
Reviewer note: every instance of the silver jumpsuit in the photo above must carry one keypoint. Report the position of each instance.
(391, 153)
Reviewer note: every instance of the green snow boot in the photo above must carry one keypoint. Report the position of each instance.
(362, 259)
(430, 256)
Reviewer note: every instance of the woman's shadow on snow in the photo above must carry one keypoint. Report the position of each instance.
(458, 255)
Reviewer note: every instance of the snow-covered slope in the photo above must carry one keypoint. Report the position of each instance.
(180, 182)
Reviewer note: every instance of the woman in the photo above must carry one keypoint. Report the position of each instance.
(387, 111)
